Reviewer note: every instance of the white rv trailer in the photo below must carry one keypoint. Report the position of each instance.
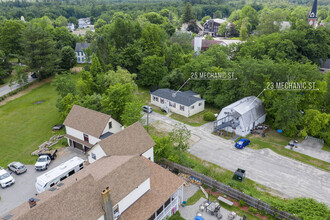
(59, 173)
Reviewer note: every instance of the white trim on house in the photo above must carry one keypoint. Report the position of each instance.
(177, 108)
(95, 153)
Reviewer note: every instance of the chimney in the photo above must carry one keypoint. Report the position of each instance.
(32, 202)
(107, 204)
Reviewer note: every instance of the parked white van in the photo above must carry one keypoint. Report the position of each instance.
(5, 178)
(59, 173)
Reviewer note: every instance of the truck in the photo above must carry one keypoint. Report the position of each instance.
(44, 159)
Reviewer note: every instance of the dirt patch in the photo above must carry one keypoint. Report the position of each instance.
(236, 203)
(25, 91)
(76, 69)
(38, 102)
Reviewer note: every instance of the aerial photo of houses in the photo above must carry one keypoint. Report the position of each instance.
(165, 110)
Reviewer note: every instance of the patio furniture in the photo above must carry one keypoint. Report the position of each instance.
(202, 208)
(213, 207)
(231, 215)
(184, 203)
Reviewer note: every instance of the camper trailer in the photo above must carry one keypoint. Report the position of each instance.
(59, 173)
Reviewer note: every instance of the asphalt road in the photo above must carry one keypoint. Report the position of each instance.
(24, 188)
(288, 176)
(4, 90)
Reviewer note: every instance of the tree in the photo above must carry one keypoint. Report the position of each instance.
(68, 58)
(169, 28)
(193, 27)
(204, 19)
(270, 21)
(65, 104)
(10, 35)
(154, 18)
(132, 113)
(60, 21)
(20, 76)
(90, 36)
(64, 84)
(174, 56)
(74, 21)
(5, 67)
(64, 38)
(152, 70)
(40, 53)
(187, 14)
(99, 23)
(180, 136)
(115, 99)
(314, 121)
(152, 39)
(86, 84)
(92, 102)
(243, 34)
(96, 66)
(164, 12)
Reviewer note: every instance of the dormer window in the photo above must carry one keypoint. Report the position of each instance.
(110, 124)
(86, 138)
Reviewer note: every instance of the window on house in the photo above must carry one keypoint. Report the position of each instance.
(174, 105)
(110, 124)
(181, 107)
(86, 137)
(78, 59)
(155, 98)
(170, 104)
(93, 156)
(192, 107)
(167, 202)
(160, 210)
(199, 104)
(162, 101)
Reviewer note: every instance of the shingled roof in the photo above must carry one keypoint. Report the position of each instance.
(79, 198)
(133, 140)
(184, 98)
(87, 121)
(81, 46)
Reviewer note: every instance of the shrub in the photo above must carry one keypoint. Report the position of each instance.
(214, 189)
(263, 212)
(253, 210)
(209, 116)
(241, 203)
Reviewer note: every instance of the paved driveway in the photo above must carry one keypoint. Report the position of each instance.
(283, 174)
(24, 188)
(4, 90)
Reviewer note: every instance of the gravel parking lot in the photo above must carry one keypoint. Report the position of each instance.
(24, 188)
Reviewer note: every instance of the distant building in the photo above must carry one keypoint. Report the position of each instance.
(185, 103)
(201, 44)
(22, 18)
(312, 18)
(84, 23)
(81, 57)
(212, 26)
(70, 27)
(241, 116)
(285, 25)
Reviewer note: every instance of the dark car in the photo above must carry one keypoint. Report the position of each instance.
(242, 143)
(17, 167)
(57, 127)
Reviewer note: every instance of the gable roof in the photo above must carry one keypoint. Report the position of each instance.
(79, 198)
(87, 121)
(133, 140)
(81, 46)
(162, 185)
(184, 98)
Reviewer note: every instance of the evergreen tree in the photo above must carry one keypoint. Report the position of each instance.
(187, 14)
(68, 58)
(40, 53)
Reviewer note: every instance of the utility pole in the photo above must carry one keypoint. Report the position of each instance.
(148, 118)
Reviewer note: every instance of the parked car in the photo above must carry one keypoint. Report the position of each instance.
(147, 109)
(242, 143)
(6, 179)
(57, 127)
(17, 167)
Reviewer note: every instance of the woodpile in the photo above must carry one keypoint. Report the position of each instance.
(48, 144)
(189, 179)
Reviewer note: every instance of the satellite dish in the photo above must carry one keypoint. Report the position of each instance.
(173, 95)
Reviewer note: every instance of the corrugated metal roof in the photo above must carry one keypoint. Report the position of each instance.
(184, 98)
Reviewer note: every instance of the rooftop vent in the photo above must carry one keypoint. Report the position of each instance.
(60, 184)
(53, 189)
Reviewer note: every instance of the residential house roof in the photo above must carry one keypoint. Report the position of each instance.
(81, 46)
(131, 141)
(87, 121)
(79, 198)
(163, 184)
(184, 98)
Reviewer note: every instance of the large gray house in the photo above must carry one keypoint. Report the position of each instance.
(81, 57)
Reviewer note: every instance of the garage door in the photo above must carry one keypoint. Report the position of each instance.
(77, 145)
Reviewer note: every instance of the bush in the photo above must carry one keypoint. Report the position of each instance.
(214, 189)
(209, 116)
(241, 203)
(253, 210)
(263, 212)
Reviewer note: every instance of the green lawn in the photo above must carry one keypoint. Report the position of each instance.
(277, 143)
(197, 119)
(25, 125)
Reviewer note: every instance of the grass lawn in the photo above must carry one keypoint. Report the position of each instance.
(197, 119)
(277, 143)
(25, 125)
(326, 147)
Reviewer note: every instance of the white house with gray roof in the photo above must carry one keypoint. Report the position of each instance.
(185, 103)
(79, 50)
(241, 116)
